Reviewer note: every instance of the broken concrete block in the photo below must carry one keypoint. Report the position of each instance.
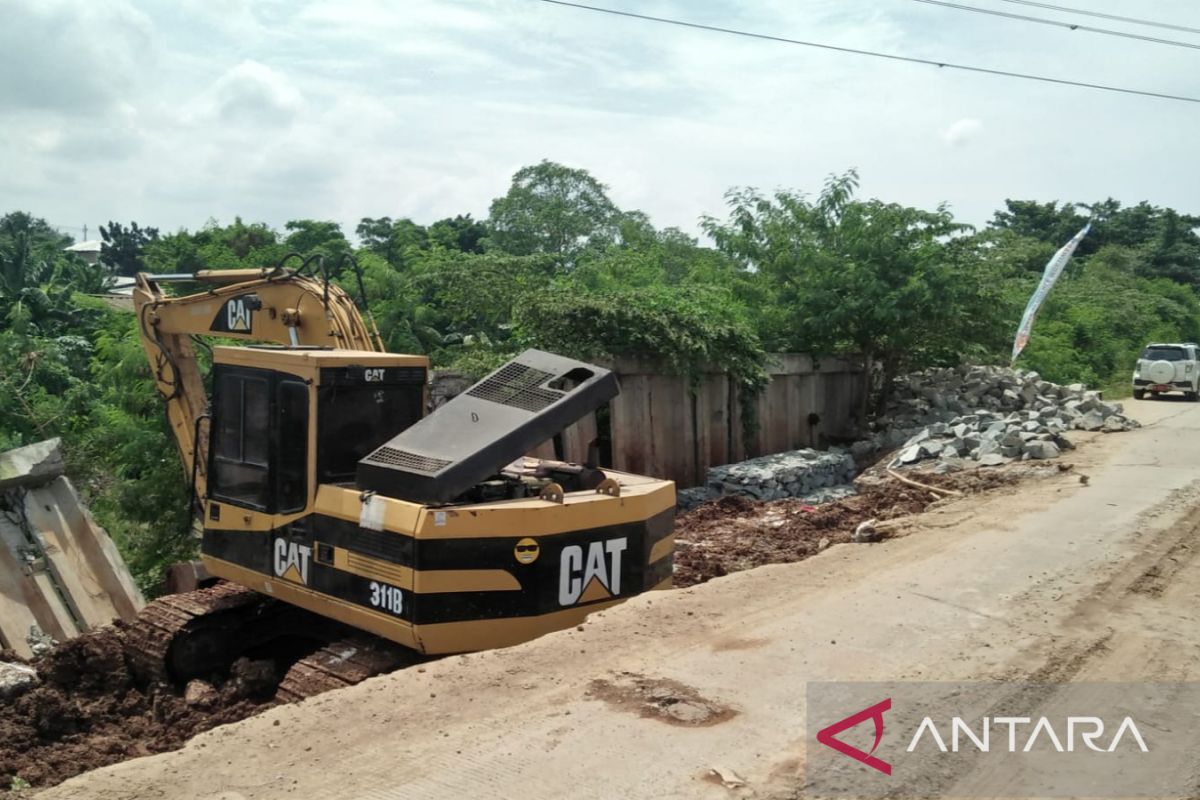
(1041, 449)
(16, 679)
(32, 465)
(200, 694)
(1091, 421)
(1012, 439)
(1114, 423)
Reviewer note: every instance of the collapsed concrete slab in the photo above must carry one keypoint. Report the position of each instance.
(60, 573)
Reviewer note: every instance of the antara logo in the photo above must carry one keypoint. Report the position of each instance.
(874, 713)
(1023, 733)
(594, 575)
(291, 561)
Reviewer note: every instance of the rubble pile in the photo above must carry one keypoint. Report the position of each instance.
(812, 476)
(992, 415)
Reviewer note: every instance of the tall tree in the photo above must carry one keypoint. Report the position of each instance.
(555, 210)
(392, 239)
(308, 236)
(122, 247)
(458, 233)
(862, 276)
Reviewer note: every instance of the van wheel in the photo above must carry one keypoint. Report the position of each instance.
(1191, 396)
(1139, 394)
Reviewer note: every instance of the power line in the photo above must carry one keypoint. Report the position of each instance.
(1072, 26)
(1099, 15)
(872, 53)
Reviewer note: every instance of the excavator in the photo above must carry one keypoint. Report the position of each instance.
(350, 530)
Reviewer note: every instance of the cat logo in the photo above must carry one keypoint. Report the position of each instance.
(237, 315)
(291, 561)
(585, 577)
(373, 375)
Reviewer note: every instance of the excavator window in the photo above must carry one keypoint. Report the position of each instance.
(292, 475)
(259, 439)
(241, 424)
(355, 417)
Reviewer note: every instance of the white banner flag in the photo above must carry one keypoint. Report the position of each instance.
(1049, 278)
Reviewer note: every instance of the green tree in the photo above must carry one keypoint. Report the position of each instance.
(460, 233)
(866, 277)
(555, 210)
(396, 241)
(217, 246)
(122, 247)
(308, 236)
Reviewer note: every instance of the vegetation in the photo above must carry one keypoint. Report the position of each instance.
(557, 264)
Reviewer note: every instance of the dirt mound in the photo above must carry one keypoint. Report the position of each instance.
(730, 534)
(89, 712)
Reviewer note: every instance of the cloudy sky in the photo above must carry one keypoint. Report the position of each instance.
(174, 112)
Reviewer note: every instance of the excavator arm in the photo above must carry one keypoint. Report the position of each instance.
(279, 306)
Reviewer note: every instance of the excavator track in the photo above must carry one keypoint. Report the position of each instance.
(200, 633)
(343, 663)
(151, 641)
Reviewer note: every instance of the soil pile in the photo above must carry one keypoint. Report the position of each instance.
(88, 711)
(734, 533)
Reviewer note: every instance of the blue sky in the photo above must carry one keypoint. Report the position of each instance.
(172, 113)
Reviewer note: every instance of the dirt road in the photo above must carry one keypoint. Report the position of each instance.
(1055, 581)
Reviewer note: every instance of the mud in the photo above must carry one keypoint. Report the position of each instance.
(661, 699)
(89, 712)
(733, 533)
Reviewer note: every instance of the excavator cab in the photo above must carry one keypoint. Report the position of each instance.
(287, 419)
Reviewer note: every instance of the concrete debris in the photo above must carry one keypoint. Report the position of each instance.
(815, 475)
(990, 415)
(16, 679)
(60, 573)
(39, 642)
(1041, 449)
(687, 499)
(32, 465)
(201, 694)
(958, 417)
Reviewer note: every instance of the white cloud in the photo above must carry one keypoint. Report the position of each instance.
(275, 110)
(254, 92)
(962, 131)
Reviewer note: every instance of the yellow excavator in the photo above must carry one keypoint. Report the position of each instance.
(323, 486)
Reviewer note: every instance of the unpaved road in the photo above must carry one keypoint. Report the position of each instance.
(1057, 581)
